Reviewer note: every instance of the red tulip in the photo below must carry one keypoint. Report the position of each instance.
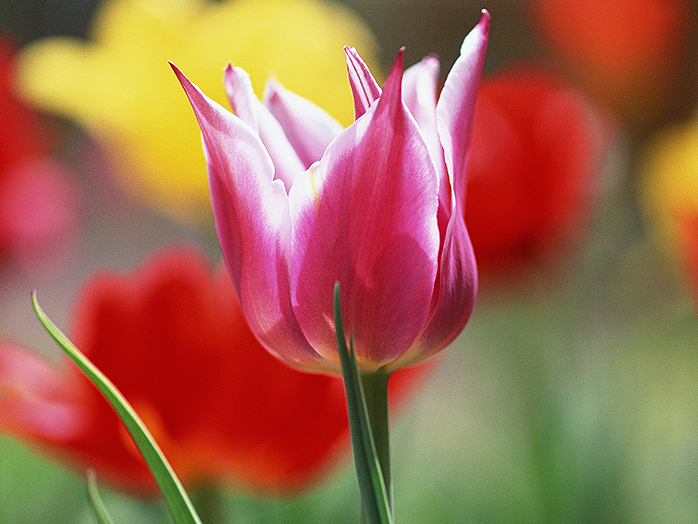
(531, 165)
(172, 337)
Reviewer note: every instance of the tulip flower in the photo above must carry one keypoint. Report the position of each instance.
(118, 87)
(534, 154)
(379, 211)
(172, 337)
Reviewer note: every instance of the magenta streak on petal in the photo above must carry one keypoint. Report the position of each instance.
(308, 128)
(252, 221)
(366, 216)
(363, 85)
(456, 105)
(250, 110)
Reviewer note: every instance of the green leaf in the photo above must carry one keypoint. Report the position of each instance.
(95, 500)
(374, 496)
(176, 498)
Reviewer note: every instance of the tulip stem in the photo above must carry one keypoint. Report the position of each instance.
(367, 409)
(375, 387)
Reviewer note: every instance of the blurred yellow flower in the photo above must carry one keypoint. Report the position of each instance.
(670, 178)
(121, 89)
(670, 193)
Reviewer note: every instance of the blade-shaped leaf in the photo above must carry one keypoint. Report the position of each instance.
(95, 500)
(374, 496)
(176, 498)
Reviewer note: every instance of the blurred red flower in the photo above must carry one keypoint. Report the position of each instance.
(172, 337)
(21, 132)
(38, 197)
(533, 155)
(687, 250)
(625, 52)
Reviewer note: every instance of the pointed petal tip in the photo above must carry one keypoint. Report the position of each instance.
(397, 65)
(364, 87)
(175, 68)
(271, 89)
(397, 69)
(228, 73)
(392, 88)
(352, 55)
(229, 80)
(237, 81)
(476, 40)
(485, 21)
(189, 88)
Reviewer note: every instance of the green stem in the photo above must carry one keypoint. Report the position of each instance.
(368, 424)
(375, 387)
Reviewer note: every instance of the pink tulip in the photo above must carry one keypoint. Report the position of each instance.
(300, 204)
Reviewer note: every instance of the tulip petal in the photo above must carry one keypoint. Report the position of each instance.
(308, 128)
(363, 85)
(251, 212)
(420, 93)
(456, 289)
(36, 400)
(456, 106)
(366, 216)
(250, 110)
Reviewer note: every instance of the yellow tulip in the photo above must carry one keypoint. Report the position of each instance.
(119, 86)
(670, 178)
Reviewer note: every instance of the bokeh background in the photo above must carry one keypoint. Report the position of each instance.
(571, 395)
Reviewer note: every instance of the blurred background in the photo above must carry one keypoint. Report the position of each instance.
(571, 395)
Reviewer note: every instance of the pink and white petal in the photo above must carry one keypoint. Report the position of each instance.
(419, 91)
(308, 128)
(363, 85)
(287, 165)
(252, 221)
(456, 105)
(455, 292)
(38, 401)
(366, 216)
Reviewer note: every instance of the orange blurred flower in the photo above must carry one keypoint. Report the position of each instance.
(625, 52)
(532, 162)
(688, 247)
(172, 337)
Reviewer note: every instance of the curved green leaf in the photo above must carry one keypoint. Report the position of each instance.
(95, 500)
(176, 498)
